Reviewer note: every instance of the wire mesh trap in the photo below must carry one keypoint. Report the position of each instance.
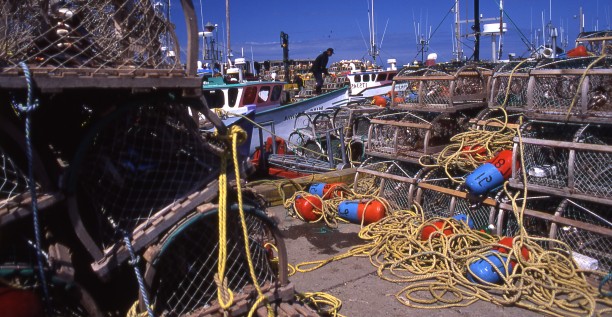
(509, 85)
(407, 136)
(567, 159)
(441, 88)
(436, 201)
(536, 218)
(392, 181)
(577, 89)
(102, 43)
(142, 159)
(588, 231)
(353, 119)
(181, 268)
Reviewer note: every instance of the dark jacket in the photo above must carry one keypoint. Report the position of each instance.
(320, 64)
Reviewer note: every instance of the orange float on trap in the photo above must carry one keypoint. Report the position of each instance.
(357, 210)
(309, 207)
(508, 242)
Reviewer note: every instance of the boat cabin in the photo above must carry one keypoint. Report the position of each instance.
(239, 97)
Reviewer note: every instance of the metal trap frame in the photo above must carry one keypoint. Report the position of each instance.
(576, 90)
(515, 74)
(354, 119)
(393, 180)
(441, 88)
(406, 135)
(98, 44)
(181, 267)
(566, 159)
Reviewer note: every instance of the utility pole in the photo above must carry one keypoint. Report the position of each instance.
(458, 32)
(476, 29)
(285, 45)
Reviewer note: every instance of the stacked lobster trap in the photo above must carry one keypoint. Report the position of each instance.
(128, 176)
(564, 151)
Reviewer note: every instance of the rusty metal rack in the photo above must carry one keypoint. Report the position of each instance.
(441, 88)
(575, 90)
(566, 159)
(515, 74)
(98, 44)
(406, 135)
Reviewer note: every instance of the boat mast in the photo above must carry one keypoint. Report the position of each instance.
(459, 49)
(227, 28)
(373, 48)
(476, 29)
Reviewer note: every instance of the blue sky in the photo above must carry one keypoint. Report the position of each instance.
(314, 25)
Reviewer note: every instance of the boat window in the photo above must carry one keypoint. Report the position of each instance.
(391, 76)
(264, 94)
(232, 95)
(249, 95)
(357, 78)
(366, 77)
(381, 77)
(214, 98)
(276, 93)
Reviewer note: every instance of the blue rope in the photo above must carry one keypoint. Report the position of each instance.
(30, 106)
(605, 280)
(134, 262)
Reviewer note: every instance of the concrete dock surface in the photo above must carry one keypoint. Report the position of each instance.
(354, 280)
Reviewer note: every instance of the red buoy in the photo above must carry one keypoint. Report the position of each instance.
(435, 229)
(357, 210)
(309, 207)
(578, 51)
(20, 303)
(379, 101)
(475, 151)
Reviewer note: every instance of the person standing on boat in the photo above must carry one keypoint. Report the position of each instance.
(319, 68)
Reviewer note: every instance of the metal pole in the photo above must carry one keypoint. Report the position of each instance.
(330, 152)
(342, 146)
(477, 30)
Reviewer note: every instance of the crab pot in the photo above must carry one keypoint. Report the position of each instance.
(492, 119)
(395, 180)
(354, 119)
(539, 208)
(407, 136)
(568, 159)
(141, 162)
(432, 193)
(181, 267)
(567, 90)
(509, 85)
(480, 211)
(441, 88)
(587, 228)
(98, 43)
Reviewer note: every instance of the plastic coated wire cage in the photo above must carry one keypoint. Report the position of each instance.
(441, 87)
(354, 119)
(97, 44)
(591, 237)
(535, 220)
(516, 74)
(435, 203)
(181, 267)
(578, 89)
(134, 163)
(566, 159)
(13, 181)
(407, 136)
(98, 34)
(393, 180)
(493, 119)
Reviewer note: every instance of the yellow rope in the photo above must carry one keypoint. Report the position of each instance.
(324, 303)
(224, 293)
(579, 88)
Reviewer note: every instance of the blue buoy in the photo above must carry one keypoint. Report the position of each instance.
(465, 219)
(317, 189)
(483, 269)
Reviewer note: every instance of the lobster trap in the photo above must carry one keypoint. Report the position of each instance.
(509, 85)
(407, 136)
(354, 119)
(441, 88)
(182, 266)
(578, 90)
(102, 44)
(572, 160)
(390, 180)
(138, 171)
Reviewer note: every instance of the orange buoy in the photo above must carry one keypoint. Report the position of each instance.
(435, 229)
(508, 242)
(379, 101)
(398, 100)
(475, 151)
(309, 207)
(325, 190)
(357, 210)
(578, 51)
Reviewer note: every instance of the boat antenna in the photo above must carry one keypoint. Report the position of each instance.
(373, 48)
(227, 29)
(501, 28)
(476, 29)
(383, 36)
